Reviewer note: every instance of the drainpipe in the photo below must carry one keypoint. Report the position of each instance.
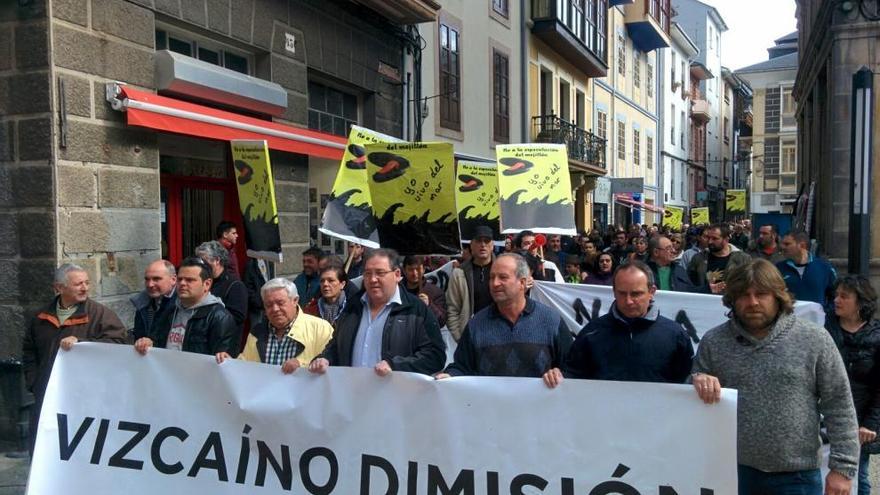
(523, 74)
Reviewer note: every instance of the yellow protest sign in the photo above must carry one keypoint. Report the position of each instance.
(256, 195)
(673, 217)
(534, 188)
(348, 214)
(700, 216)
(476, 197)
(413, 200)
(736, 200)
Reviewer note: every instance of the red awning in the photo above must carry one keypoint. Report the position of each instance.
(171, 115)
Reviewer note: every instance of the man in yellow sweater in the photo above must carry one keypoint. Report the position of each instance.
(288, 337)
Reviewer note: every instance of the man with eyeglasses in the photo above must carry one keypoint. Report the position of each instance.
(385, 329)
(669, 274)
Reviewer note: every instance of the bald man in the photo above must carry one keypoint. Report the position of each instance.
(158, 296)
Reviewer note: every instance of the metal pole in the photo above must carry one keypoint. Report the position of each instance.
(860, 171)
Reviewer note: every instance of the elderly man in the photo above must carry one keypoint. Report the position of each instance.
(199, 323)
(71, 317)
(157, 298)
(808, 277)
(386, 328)
(632, 342)
(515, 336)
(668, 272)
(787, 373)
(707, 268)
(288, 337)
(468, 290)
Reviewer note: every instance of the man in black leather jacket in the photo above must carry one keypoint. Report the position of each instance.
(199, 322)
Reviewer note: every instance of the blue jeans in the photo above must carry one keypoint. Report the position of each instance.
(755, 482)
(864, 481)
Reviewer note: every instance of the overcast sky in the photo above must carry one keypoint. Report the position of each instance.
(752, 27)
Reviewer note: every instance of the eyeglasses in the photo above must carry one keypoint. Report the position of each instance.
(376, 273)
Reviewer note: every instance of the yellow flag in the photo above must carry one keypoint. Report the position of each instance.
(411, 187)
(672, 217)
(534, 188)
(256, 195)
(349, 211)
(736, 200)
(700, 216)
(476, 197)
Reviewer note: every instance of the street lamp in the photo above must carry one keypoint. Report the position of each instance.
(860, 171)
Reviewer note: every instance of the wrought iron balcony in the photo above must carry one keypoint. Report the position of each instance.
(583, 146)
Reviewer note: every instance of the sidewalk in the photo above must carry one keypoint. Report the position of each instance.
(13, 475)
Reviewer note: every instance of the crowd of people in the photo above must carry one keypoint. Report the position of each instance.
(376, 310)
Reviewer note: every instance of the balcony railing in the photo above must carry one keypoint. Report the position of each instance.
(583, 146)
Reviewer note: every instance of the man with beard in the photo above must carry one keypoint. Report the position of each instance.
(767, 245)
(788, 374)
(308, 283)
(619, 248)
(707, 268)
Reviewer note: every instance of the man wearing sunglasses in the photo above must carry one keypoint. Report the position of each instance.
(385, 329)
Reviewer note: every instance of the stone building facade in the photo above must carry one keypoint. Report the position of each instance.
(836, 40)
(80, 183)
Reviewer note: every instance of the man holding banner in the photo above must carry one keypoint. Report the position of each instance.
(515, 336)
(787, 373)
(386, 328)
(632, 342)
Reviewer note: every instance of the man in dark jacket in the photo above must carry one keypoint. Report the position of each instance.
(632, 342)
(71, 317)
(668, 272)
(707, 268)
(256, 273)
(198, 323)
(225, 284)
(157, 298)
(386, 328)
(808, 277)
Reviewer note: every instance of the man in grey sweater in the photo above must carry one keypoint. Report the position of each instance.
(787, 373)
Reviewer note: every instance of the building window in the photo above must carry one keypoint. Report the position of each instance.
(649, 77)
(330, 110)
(602, 124)
(681, 131)
(501, 89)
(649, 151)
(450, 78)
(672, 178)
(674, 80)
(621, 140)
(580, 102)
(621, 55)
(577, 19)
(637, 145)
(726, 130)
(637, 68)
(601, 7)
(501, 7)
(788, 108)
(789, 157)
(203, 49)
(672, 133)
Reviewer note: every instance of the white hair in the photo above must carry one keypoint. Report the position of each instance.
(62, 271)
(279, 283)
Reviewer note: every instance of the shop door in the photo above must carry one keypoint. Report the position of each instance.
(198, 192)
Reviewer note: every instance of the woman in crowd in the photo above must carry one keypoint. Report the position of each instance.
(330, 303)
(857, 335)
(640, 249)
(676, 244)
(603, 272)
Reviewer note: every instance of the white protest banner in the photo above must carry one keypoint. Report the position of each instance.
(696, 313)
(178, 423)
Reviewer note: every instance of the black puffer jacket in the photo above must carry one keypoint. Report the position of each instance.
(210, 330)
(861, 356)
(411, 339)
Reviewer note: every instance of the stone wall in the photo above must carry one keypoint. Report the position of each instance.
(27, 220)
